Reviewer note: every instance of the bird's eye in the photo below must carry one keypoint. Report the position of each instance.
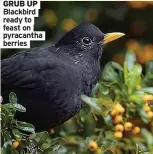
(86, 40)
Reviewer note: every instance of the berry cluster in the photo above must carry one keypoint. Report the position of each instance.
(121, 126)
(147, 99)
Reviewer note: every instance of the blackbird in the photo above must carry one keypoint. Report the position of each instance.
(49, 81)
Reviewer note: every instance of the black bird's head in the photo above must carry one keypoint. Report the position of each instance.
(83, 47)
(87, 39)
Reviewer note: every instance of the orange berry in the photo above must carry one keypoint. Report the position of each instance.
(113, 113)
(119, 127)
(118, 119)
(150, 114)
(128, 126)
(98, 151)
(146, 108)
(15, 144)
(92, 146)
(148, 98)
(118, 135)
(119, 108)
(136, 130)
(52, 131)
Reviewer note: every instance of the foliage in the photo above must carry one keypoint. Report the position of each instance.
(117, 118)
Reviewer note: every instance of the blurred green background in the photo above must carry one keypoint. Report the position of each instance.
(132, 18)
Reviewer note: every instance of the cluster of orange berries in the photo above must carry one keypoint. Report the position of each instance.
(93, 147)
(117, 115)
(147, 99)
(147, 109)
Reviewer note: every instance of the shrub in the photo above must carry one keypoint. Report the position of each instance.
(117, 118)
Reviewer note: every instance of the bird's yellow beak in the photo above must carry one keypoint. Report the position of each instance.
(112, 36)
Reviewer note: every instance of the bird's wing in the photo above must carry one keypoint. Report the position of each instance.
(17, 71)
(22, 69)
(31, 70)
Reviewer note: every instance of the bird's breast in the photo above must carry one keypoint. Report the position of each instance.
(90, 76)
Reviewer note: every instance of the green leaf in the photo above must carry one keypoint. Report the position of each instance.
(25, 126)
(148, 80)
(143, 115)
(136, 69)
(48, 151)
(112, 72)
(103, 89)
(43, 138)
(95, 90)
(15, 107)
(149, 138)
(12, 97)
(108, 120)
(17, 133)
(130, 59)
(133, 82)
(147, 90)
(136, 98)
(149, 66)
(134, 77)
(91, 103)
(55, 146)
(19, 107)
